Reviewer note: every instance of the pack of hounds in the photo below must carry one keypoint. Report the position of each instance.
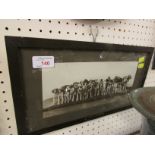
(90, 89)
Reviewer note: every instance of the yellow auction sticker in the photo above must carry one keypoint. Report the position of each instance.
(141, 65)
(141, 59)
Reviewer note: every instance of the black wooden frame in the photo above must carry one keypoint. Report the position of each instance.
(13, 47)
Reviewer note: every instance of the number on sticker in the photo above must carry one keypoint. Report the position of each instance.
(45, 62)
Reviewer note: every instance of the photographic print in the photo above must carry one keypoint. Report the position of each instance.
(79, 82)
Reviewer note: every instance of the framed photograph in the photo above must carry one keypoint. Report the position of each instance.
(57, 83)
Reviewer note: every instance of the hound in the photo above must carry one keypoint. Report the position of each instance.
(125, 81)
(101, 87)
(80, 93)
(109, 85)
(75, 93)
(72, 93)
(66, 93)
(89, 90)
(118, 84)
(56, 100)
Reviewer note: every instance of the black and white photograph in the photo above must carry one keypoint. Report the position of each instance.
(89, 81)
